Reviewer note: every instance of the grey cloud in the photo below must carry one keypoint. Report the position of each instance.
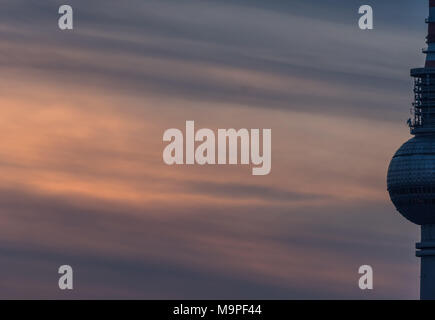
(371, 69)
(230, 190)
(124, 252)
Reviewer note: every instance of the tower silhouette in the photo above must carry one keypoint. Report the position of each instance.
(411, 174)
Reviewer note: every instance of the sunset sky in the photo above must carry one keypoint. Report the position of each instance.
(83, 183)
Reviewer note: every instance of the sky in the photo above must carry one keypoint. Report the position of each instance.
(83, 183)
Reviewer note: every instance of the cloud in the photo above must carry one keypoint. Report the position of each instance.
(250, 191)
(82, 179)
(187, 51)
(112, 248)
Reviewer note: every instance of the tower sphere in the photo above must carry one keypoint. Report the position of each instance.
(411, 179)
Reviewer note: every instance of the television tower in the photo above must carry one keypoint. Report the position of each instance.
(411, 174)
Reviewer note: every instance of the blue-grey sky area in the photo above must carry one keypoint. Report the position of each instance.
(82, 116)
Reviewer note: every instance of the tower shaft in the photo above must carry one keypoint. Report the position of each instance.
(426, 252)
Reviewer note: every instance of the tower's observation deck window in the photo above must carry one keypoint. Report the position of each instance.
(423, 108)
